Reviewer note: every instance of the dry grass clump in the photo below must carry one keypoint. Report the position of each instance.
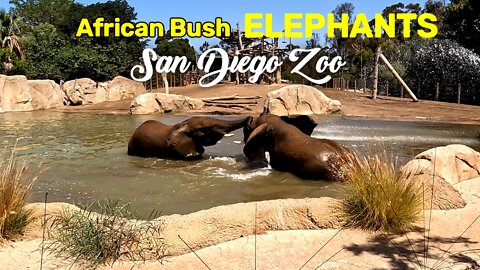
(97, 239)
(16, 181)
(378, 196)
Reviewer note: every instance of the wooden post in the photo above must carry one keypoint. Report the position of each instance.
(459, 93)
(278, 75)
(401, 91)
(387, 88)
(156, 75)
(151, 81)
(355, 87)
(240, 44)
(165, 81)
(437, 92)
(375, 73)
(419, 86)
(364, 85)
(402, 82)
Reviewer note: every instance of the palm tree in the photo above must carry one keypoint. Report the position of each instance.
(9, 34)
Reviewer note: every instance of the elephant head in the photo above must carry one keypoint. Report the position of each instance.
(302, 122)
(188, 138)
(185, 140)
(258, 143)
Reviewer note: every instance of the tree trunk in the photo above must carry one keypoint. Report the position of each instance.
(165, 81)
(375, 73)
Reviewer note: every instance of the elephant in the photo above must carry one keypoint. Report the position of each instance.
(184, 141)
(291, 149)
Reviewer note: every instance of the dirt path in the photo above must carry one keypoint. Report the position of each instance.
(353, 104)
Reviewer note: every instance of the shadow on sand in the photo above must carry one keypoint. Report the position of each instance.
(404, 253)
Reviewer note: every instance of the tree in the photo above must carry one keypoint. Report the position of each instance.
(462, 23)
(9, 32)
(43, 46)
(447, 63)
(176, 47)
(338, 43)
(35, 12)
(314, 42)
(53, 51)
(204, 47)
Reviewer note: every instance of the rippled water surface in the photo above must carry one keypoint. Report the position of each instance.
(86, 159)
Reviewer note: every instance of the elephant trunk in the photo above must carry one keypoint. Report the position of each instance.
(229, 126)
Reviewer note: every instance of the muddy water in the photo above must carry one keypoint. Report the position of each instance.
(86, 159)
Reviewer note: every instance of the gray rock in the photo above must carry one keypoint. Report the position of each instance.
(300, 99)
(151, 103)
(441, 168)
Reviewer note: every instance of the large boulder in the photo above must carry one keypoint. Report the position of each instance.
(121, 88)
(440, 169)
(15, 94)
(300, 99)
(46, 94)
(163, 103)
(80, 91)
(87, 91)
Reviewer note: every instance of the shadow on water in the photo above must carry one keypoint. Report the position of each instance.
(86, 159)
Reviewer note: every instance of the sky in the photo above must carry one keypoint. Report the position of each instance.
(234, 11)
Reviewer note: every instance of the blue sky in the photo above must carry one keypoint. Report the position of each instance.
(233, 11)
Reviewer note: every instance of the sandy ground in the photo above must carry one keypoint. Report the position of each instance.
(353, 104)
(454, 244)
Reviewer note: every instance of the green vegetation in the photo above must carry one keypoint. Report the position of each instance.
(378, 197)
(16, 182)
(47, 29)
(96, 239)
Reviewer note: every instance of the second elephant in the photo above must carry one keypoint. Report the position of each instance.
(291, 148)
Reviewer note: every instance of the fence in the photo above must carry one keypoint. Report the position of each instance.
(174, 80)
(454, 92)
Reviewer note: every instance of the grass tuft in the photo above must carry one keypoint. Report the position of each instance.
(99, 239)
(378, 196)
(16, 181)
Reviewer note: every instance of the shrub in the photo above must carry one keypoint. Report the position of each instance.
(95, 239)
(447, 63)
(378, 196)
(16, 182)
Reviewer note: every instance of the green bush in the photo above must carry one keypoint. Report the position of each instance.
(447, 63)
(95, 239)
(378, 197)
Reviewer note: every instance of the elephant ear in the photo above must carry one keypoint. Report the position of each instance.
(303, 122)
(254, 148)
(181, 144)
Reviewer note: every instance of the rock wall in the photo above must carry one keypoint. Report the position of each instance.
(19, 94)
(151, 103)
(300, 99)
(223, 223)
(87, 91)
